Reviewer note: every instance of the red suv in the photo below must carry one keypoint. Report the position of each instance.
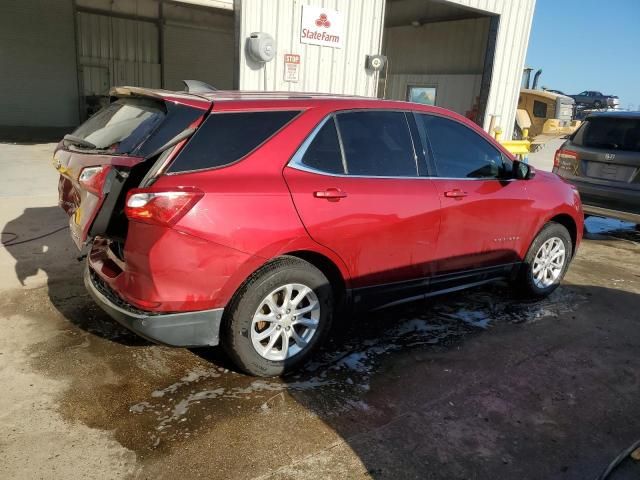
(250, 219)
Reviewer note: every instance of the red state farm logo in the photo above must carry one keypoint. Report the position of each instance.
(321, 27)
(323, 21)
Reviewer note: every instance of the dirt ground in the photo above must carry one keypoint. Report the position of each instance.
(475, 385)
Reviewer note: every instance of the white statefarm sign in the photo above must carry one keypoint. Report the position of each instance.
(322, 26)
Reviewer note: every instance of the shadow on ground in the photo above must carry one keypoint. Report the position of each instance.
(471, 385)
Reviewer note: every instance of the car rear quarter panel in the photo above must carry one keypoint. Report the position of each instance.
(247, 207)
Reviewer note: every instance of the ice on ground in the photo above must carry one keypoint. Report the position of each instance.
(603, 225)
(474, 318)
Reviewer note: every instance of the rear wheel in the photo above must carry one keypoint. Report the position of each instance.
(278, 317)
(546, 261)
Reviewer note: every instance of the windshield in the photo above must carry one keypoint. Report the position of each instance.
(121, 126)
(610, 133)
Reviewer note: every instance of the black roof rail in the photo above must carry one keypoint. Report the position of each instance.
(196, 86)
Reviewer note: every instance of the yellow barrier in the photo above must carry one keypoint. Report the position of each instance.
(517, 147)
(520, 148)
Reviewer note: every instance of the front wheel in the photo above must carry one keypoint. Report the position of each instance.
(278, 317)
(546, 261)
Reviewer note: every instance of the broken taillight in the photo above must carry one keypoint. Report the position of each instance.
(160, 207)
(93, 178)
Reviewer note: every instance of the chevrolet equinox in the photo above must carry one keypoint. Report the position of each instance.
(250, 219)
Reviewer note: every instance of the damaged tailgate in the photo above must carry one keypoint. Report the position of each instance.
(114, 149)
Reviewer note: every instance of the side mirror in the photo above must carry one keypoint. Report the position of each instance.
(523, 171)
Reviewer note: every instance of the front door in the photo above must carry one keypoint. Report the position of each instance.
(484, 211)
(356, 184)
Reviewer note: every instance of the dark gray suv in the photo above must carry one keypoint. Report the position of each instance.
(602, 159)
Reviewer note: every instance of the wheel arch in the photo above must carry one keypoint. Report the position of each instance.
(326, 266)
(569, 223)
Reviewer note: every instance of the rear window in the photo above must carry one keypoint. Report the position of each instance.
(225, 138)
(121, 126)
(609, 133)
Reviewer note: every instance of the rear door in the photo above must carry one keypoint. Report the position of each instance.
(357, 185)
(99, 157)
(484, 212)
(603, 160)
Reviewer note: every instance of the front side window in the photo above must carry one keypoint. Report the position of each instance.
(459, 152)
(224, 138)
(377, 144)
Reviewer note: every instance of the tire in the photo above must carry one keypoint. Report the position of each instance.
(597, 104)
(528, 284)
(260, 307)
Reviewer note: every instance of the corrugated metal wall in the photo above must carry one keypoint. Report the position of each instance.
(117, 51)
(322, 69)
(38, 83)
(438, 48)
(511, 48)
(197, 53)
(342, 70)
(198, 44)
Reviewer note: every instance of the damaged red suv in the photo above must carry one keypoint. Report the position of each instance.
(249, 219)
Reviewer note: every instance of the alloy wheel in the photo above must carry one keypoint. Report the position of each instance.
(285, 322)
(549, 263)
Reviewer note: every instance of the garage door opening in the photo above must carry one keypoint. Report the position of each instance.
(439, 54)
(152, 44)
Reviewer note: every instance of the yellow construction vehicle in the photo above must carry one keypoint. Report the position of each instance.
(545, 114)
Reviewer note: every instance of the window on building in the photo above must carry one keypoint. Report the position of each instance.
(225, 138)
(459, 152)
(377, 144)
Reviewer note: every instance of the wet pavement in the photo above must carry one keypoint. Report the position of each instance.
(475, 384)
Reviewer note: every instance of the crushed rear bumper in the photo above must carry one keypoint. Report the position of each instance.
(185, 329)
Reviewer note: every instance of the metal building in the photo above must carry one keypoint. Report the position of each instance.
(59, 58)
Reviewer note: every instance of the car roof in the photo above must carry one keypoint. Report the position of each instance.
(235, 95)
(252, 99)
(615, 114)
(239, 100)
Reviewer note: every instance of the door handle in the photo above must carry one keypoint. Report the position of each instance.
(331, 194)
(456, 193)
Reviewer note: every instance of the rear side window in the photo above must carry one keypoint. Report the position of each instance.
(377, 143)
(459, 152)
(609, 133)
(324, 151)
(225, 138)
(121, 126)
